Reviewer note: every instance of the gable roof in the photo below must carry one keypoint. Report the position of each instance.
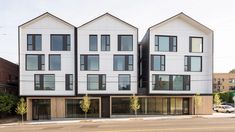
(108, 15)
(44, 14)
(186, 18)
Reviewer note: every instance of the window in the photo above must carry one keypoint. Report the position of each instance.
(35, 62)
(60, 42)
(68, 81)
(105, 42)
(165, 43)
(44, 82)
(193, 63)
(93, 42)
(231, 80)
(34, 42)
(171, 82)
(54, 62)
(125, 42)
(123, 62)
(89, 62)
(158, 62)
(124, 82)
(196, 44)
(96, 82)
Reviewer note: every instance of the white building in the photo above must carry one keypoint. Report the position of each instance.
(60, 63)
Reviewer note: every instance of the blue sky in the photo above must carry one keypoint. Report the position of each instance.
(219, 15)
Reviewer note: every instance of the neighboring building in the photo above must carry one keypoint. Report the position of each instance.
(177, 61)
(60, 63)
(223, 82)
(9, 77)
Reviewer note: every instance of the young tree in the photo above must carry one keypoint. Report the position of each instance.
(134, 104)
(21, 108)
(217, 100)
(85, 104)
(197, 102)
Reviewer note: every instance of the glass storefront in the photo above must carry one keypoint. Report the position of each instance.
(41, 109)
(73, 109)
(152, 106)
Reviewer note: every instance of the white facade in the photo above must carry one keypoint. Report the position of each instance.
(184, 27)
(106, 25)
(46, 25)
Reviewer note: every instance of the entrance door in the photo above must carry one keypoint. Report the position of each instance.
(105, 106)
(41, 109)
(185, 106)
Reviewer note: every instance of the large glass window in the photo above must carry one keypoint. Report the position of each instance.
(35, 62)
(60, 42)
(54, 62)
(123, 62)
(93, 43)
(68, 81)
(158, 62)
(171, 82)
(125, 42)
(105, 42)
(196, 44)
(193, 63)
(124, 82)
(89, 62)
(44, 82)
(34, 42)
(165, 43)
(96, 82)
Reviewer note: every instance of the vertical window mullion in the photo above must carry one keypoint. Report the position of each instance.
(171, 82)
(64, 42)
(85, 62)
(41, 81)
(39, 62)
(126, 62)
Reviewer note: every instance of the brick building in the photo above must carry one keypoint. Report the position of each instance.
(224, 82)
(9, 77)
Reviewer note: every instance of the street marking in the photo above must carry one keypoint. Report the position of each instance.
(168, 129)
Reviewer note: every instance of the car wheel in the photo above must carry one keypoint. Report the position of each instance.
(227, 111)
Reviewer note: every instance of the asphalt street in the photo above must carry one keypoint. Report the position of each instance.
(135, 125)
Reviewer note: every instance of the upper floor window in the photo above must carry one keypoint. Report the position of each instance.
(193, 63)
(34, 42)
(96, 82)
(166, 43)
(105, 42)
(54, 62)
(123, 62)
(124, 82)
(158, 62)
(60, 42)
(125, 42)
(69, 81)
(93, 43)
(44, 82)
(35, 62)
(171, 82)
(89, 62)
(196, 44)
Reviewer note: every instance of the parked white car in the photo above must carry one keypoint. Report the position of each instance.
(224, 108)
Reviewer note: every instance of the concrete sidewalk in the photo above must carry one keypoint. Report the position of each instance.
(140, 117)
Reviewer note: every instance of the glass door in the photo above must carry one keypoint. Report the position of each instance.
(41, 109)
(185, 106)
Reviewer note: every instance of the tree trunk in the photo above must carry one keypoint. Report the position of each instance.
(135, 113)
(85, 115)
(22, 118)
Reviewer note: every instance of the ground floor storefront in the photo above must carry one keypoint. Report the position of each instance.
(46, 108)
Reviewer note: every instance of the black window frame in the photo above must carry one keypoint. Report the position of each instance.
(40, 66)
(186, 82)
(187, 63)
(85, 64)
(65, 45)
(107, 43)
(171, 46)
(41, 82)
(119, 82)
(68, 82)
(33, 42)
(100, 82)
(49, 62)
(126, 62)
(162, 62)
(190, 44)
(93, 35)
(119, 42)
